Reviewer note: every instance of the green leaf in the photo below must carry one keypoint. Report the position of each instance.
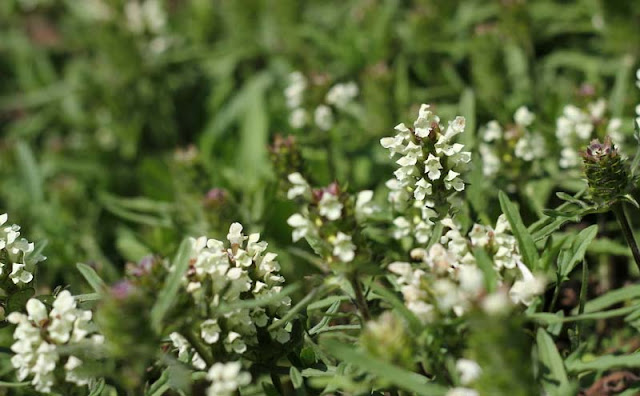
(486, 265)
(407, 380)
(468, 111)
(14, 384)
(90, 275)
(18, 300)
(297, 308)
(554, 376)
(296, 378)
(606, 362)
(414, 323)
(525, 241)
(613, 297)
(167, 294)
(549, 318)
(578, 250)
(30, 172)
(97, 388)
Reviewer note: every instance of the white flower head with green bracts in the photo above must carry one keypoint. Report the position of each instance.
(430, 171)
(38, 333)
(226, 273)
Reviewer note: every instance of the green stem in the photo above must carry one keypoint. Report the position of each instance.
(583, 298)
(361, 302)
(618, 210)
(197, 345)
(275, 379)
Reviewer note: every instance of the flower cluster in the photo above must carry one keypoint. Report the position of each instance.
(339, 96)
(446, 278)
(226, 378)
(37, 335)
(430, 171)
(323, 216)
(576, 127)
(501, 147)
(221, 274)
(17, 257)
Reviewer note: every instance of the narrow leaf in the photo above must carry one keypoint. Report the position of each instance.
(407, 380)
(525, 241)
(94, 280)
(166, 296)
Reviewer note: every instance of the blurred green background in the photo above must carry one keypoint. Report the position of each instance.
(118, 117)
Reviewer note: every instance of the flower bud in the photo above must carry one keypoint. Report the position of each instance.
(605, 170)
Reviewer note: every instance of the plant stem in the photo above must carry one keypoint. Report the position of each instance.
(618, 209)
(583, 299)
(197, 345)
(275, 379)
(361, 302)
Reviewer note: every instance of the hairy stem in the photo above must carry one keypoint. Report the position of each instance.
(618, 210)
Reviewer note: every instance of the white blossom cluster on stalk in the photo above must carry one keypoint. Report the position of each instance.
(519, 140)
(38, 334)
(226, 273)
(431, 164)
(226, 378)
(338, 97)
(446, 278)
(576, 127)
(328, 209)
(19, 260)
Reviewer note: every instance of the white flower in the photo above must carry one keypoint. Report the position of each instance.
(235, 235)
(323, 117)
(422, 125)
(468, 370)
(492, 132)
(226, 378)
(235, 343)
(210, 331)
(471, 279)
(300, 187)
(340, 95)
(453, 181)
(20, 275)
(329, 206)
(185, 351)
(343, 248)
(402, 227)
(496, 303)
(423, 189)
(298, 118)
(527, 288)
(301, 226)
(432, 167)
(73, 375)
(295, 90)
(37, 335)
(490, 161)
(523, 116)
(364, 205)
(413, 153)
